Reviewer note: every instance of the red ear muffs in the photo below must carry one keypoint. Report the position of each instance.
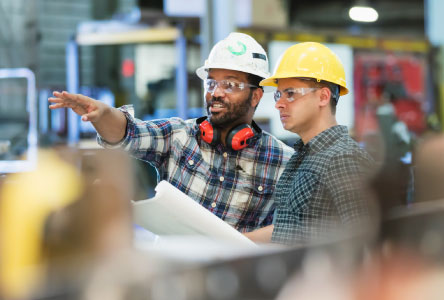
(208, 133)
(239, 136)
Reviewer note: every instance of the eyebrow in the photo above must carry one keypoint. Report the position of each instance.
(226, 78)
(232, 77)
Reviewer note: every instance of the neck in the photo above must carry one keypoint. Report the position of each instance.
(223, 135)
(317, 128)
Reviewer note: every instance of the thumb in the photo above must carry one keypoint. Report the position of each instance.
(90, 116)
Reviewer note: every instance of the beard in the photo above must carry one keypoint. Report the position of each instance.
(234, 111)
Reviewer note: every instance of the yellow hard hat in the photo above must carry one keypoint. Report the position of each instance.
(309, 60)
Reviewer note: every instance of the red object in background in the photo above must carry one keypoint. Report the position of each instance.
(128, 68)
(413, 76)
(410, 112)
(380, 77)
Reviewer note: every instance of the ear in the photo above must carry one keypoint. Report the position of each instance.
(256, 97)
(324, 97)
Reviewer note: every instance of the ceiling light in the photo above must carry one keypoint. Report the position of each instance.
(363, 14)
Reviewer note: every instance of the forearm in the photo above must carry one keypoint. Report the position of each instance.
(112, 125)
(262, 235)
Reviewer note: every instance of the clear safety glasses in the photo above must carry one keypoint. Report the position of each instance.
(292, 94)
(227, 86)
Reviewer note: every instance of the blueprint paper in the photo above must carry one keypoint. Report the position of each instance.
(171, 212)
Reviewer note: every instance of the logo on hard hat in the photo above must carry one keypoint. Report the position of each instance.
(240, 51)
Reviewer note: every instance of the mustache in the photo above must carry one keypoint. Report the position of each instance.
(215, 100)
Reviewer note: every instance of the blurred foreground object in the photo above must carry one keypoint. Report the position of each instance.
(429, 170)
(63, 221)
(27, 199)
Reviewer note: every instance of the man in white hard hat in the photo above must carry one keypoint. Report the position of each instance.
(323, 190)
(224, 160)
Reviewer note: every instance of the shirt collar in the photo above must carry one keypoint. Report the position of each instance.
(323, 140)
(299, 145)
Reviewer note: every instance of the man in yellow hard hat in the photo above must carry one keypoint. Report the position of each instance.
(322, 188)
(224, 161)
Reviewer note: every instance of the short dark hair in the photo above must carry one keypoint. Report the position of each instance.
(334, 89)
(254, 80)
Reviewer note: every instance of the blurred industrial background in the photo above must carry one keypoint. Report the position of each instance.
(101, 48)
(145, 53)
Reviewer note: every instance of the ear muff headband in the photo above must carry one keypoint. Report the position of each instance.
(239, 136)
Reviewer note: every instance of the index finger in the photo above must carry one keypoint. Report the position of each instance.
(77, 98)
(58, 94)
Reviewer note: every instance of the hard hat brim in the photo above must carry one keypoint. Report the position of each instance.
(272, 81)
(202, 72)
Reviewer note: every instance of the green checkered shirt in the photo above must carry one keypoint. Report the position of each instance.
(322, 189)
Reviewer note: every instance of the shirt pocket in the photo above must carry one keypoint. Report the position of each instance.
(303, 191)
(252, 192)
(194, 171)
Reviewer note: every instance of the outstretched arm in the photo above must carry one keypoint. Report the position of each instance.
(109, 122)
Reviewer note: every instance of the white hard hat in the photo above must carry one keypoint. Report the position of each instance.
(239, 52)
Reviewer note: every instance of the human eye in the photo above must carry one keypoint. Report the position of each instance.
(277, 95)
(231, 86)
(210, 84)
(289, 94)
(235, 85)
(224, 84)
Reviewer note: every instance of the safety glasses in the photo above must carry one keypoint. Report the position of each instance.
(227, 86)
(292, 94)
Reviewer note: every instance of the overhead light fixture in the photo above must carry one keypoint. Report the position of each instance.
(363, 14)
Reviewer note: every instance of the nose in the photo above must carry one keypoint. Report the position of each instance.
(280, 103)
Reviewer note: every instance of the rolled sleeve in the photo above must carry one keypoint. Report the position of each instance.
(128, 111)
(152, 140)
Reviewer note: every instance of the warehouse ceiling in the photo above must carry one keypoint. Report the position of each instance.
(396, 17)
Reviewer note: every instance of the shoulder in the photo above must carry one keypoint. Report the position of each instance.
(346, 146)
(348, 156)
(176, 124)
(274, 143)
(175, 121)
(340, 153)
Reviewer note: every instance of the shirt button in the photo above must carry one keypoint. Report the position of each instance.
(260, 188)
(221, 179)
(191, 162)
(225, 154)
(213, 205)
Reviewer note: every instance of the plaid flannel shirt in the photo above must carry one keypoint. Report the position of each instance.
(323, 189)
(236, 186)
